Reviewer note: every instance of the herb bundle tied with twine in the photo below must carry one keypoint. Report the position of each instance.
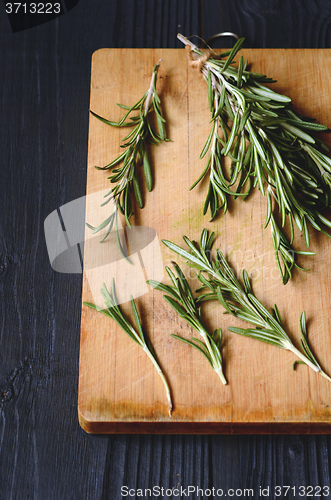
(270, 146)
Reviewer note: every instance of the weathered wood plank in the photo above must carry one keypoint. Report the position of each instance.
(57, 459)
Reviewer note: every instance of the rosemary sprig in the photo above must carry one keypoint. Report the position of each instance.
(268, 143)
(137, 333)
(125, 176)
(218, 184)
(284, 251)
(181, 299)
(239, 300)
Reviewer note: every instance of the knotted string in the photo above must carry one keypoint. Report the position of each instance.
(199, 61)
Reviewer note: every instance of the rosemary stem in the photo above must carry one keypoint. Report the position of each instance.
(151, 87)
(214, 141)
(164, 380)
(216, 364)
(185, 41)
(220, 373)
(324, 375)
(316, 368)
(304, 358)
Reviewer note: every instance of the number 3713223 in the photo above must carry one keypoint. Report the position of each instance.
(33, 8)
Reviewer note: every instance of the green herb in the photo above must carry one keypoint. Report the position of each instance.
(269, 145)
(126, 176)
(220, 283)
(137, 333)
(181, 299)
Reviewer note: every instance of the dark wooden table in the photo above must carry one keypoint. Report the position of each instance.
(44, 101)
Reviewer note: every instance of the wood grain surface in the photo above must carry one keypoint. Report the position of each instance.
(118, 388)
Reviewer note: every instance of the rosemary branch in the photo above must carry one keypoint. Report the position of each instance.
(137, 333)
(239, 300)
(268, 144)
(135, 154)
(181, 299)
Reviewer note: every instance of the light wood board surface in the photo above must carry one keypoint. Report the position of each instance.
(119, 389)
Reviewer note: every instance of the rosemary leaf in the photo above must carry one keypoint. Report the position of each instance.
(126, 176)
(136, 333)
(182, 301)
(240, 301)
(275, 148)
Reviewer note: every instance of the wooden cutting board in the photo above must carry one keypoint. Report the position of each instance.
(119, 390)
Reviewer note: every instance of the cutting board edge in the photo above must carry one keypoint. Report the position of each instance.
(212, 428)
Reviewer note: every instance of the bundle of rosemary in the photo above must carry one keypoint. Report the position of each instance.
(181, 299)
(270, 146)
(125, 177)
(219, 282)
(137, 334)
